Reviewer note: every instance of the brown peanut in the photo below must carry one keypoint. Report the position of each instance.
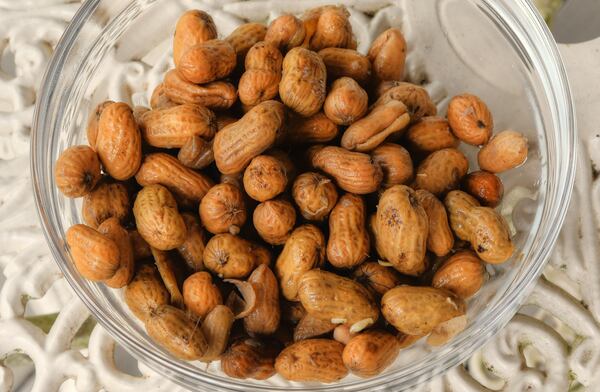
(214, 95)
(431, 134)
(314, 129)
(223, 209)
(459, 205)
(94, 119)
(286, 32)
(196, 153)
(77, 171)
(216, 328)
(169, 274)
(375, 277)
(200, 295)
(346, 102)
(440, 239)
(470, 119)
(505, 151)
(311, 327)
(388, 55)
(264, 178)
(486, 187)
(235, 145)
(303, 251)
(244, 37)
(250, 358)
(400, 227)
(260, 82)
(141, 249)
(146, 292)
(346, 62)
(395, 162)
(354, 172)
(192, 249)
(348, 244)
(302, 86)
(274, 220)
(108, 200)
(264, 319)
(208, 61)
(418, 310)
(416, 99)
(312, 360)
(462, 274)
(193, 27)
(96, 256)
(332, 29)
(315, 195)
(442, 171)
(119, 143)
(369, 353)
(229, 256)
(159, 99)
(112, 229)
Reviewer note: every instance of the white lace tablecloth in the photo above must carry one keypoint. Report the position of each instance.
(553, 344)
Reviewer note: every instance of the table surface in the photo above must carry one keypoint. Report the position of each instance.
(552, 344)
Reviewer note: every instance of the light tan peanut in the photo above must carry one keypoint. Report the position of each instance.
(164, 169)
(235, 145)
(302, 86)
(442, 171)
(168, 273)
(112, 229)
(395, 162)
(214, 95)
(462, 274)
(486, 187)
(159, 99)
(172, 127)
(416, 99)
(348, 244)
(311, 327)
(286, 161)
(431, 134)
(332, 29)
(94, 119)
(274, 220)
(314, 129)
(312, 360)
(383, 121)
(418, 310)
(141, 249)
(207, 61)
(200, 295)
(196, 153)
(264, 319)
(346, 102)
(250, 358)
(193, 27)
(172, 329)
(229, 256)
(346, 62)
(377, 278)
(369, 353)
(315, 195)
(285, 32)
(459, 205)
(264, 178)
(119, 143)
(400, 227)
(505, 151)
(108, 200)
(440, 239)
(244, 37)
(223, 209)
(146, 292)
(77, 171)
(216, 328)
(157, 218)
(96, 256)
(388, 55)
(328, 296)
(192, 249)
(470, 119)
(303, 251)
(354, 172)
(260, 82)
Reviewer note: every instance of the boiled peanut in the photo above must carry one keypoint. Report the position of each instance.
(250, 358)
(375, 277)
(96, 256)
(106, 201)
(312, 360)
(169, 274)
(314, 129)
(260, 82)
(159, 99)
(229, 256)
(208, 61)
(346, 102)
(223, 209)
(200, 295)
(172, 127)
(193, 27)
(192, 249)
(264, 178)
(328, 296)
(303, 251)
(459, 205)
(416, 99)
(505, 151)
(431, 134)
(346, 62)
(315, 195)
(264, 319)
(274, 220)
(310, 327)
(418, 310)
(333, 28)
(196, 153)
(486, 187)
(216, 327)
(112, 229)
(462, 274)
(470, 119)
(369, 353)
(354, 172)
(286, 32)
(400, 227)
(141, 249)
(348, 244)
(119, 143)
(77, 171)
(395, 162)
(236, 144)
(244, 37)
(213, 95)
(442, 171)
(146, 292)
(92, 125)
(440, 239)
(388, 55)
(302, 86)
(157, 218)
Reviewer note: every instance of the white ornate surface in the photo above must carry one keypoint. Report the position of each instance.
(552, 345)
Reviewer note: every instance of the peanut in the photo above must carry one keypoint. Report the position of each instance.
(375, 277)
(208, 61)
(223, 209)
(264, 178)
(346, 62)
(112, 229)
(462, 274)
(141, 249)
(333, 28)
(250, 358)
(169, 274)
(94, 119)
(310, 327)
(442, 171)
(95, 255)
(260, 82)
(369, 353)
(388, 55)
(244, 37)
(470, 119)
(77, 171)
(315, 195)
(286, 32)
(486, 187)
(216, 328)
(213, 95)
(346, 102)
(440, 239)
(108, 200)
(431, 134)
(159, 99)
(193, 27)
(348, 244)
(192, 249)
(229, 256)
(146, 292)
(505, 151)
(274, 220)
(416, 99)
(312, 360)
(302, 86)
(264, 319)
(200, 295)
(395, 162)
(314, 129)
(196, 153)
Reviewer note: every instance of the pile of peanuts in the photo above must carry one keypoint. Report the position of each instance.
(283, 193)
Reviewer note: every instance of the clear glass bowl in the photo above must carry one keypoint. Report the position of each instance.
(499, 50)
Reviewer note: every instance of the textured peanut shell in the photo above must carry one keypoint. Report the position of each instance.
(462, 274)
(346, 102)
(214, 95)
(169, 275)
(196, 153)
(286, 32)
(192, 249)
(260, 82)
(309, 360)
(376, 277)
(216, 328)
(490, 236)
(264, 178)
(302, 86)
(395, 162)
(308, 130)
(470, 119)
(388, 55)
(346, 62)
(193, 27)
(311, 327)
(95, 255)
(207, 61)
(348, 244)
(274, 220)
(333, 28)
(486, 187)
(141, 249)
(77, 171)
(112, 229)
(249, 358)
(146, 292)
(440, 239)
(106, 201)
(431, 134)
(229, 256)
(505, 151)
(315, 195)
(159, 99)
(369, 353)
(223, 209)
(200, 295)
(265, 317)
(244, 37)
(442, 171)
(459, 205)
(92, 125)
(416, 99)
